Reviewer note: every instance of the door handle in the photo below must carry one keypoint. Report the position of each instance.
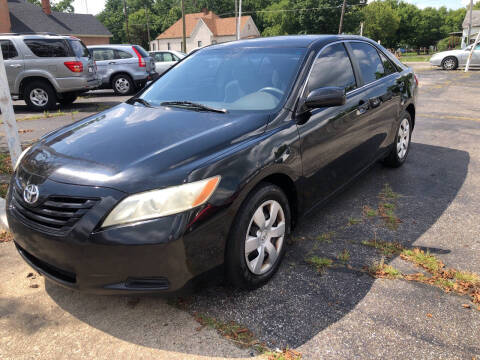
(15, 65)
(111, 63)
(362, 107)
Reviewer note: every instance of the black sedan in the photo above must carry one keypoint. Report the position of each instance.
(211, 165)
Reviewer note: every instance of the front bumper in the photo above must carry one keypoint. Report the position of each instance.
(160, 255)
(436, 61)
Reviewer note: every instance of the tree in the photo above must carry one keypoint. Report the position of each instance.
(60, 6)
(381, 22)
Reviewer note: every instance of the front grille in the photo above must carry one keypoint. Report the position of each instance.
(55, 213)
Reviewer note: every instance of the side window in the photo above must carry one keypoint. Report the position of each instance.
(477, 47)
(103, 54)
(168, 57)
(387, 65)
(369, 61)
(48, 47)
(120, 54)
(8, 49)
(332, 68)
(158, 57)
(175, 58)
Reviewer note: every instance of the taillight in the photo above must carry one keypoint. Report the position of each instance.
(74, 66)
(141, 60)
(416, 78)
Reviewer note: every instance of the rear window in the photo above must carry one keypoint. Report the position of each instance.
(371, 66)
(79, 49)
(48, 47)
(141, 50)
(8, 49)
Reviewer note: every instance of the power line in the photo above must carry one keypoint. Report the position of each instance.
(291, 10)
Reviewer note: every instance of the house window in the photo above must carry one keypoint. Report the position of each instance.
(214, 42)
(168, 46)
(153, 46)
(199, 43)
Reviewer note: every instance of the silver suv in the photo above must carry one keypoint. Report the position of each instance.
(123, 68)
(46, 69)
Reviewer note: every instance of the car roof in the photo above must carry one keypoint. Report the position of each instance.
(292, 41)
(113, 46)
(37, 36)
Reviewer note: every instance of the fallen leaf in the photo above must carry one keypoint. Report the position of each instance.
(23, 131)
(29, 275)
(34, 286)
(429, 315)
(466, 306)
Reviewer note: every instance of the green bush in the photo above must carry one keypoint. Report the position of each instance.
(449, 43)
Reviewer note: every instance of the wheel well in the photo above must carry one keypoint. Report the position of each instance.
(119, 73)
(288, 186)
(411, 110)
(28, 80)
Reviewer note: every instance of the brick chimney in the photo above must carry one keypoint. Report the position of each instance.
(5, 26)
(46, 7)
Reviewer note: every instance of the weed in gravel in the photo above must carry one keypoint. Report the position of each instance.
(388, 249)
(369, 212)
(387, 194)
(320, 263)
(229, 330)
(3, 190)
(381, 270)
(287, 354)
(5, 164)
(389, 217)
(326, 237)
(422, 259)
(344, 256)
(353, 221)
(5, 236)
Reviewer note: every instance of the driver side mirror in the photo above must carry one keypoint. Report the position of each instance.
(325, 97)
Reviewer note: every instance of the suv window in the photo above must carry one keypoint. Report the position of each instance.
(120, 54)
(103, 54)
(371, 65)
(332, 68)
(8, 49)
(79, 49)
(48, 47)
(141, 50)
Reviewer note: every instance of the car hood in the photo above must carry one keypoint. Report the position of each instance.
(133, 148)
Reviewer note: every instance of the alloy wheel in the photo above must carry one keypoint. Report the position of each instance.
(39, 97)
(122, 85)
(265, 237)
(403, 138)
(450, 64)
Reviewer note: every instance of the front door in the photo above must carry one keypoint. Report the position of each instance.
(14, 63)
(330, 137)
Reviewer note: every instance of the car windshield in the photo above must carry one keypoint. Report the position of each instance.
(232, 79)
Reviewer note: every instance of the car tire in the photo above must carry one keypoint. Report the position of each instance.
(401, 145)
(40, 96)
(123, 84)
(67, 99)
(450, 63)
(255, 249)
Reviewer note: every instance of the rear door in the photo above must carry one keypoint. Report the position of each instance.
(14, 63)
(381, 92)
(105, 60)
(330, 137)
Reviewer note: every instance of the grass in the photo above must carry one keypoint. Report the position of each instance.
(388, 249)
(47, 115)
(415, 58)
(3, 190)
(468, 277)
(5, 164)
(386, 207)
(344, 256)
(387, 194)
(326, 237)
(369, 212)
(230, 330)
(422, 259)
(353, 221)
(287, 354)
(320, 263)
(381, 270)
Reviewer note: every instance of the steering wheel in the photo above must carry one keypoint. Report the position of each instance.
(272, 90)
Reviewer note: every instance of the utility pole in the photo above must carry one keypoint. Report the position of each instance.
(470, 23)
(184, 35)
(148, 27)
(340, 28)
(126, 19)
(361, 28)
(236, 20)
(239, 19)
(8, 115)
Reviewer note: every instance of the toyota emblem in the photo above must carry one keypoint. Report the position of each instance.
(30, 194)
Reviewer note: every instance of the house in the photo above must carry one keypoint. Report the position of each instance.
(20, 16)
(475, 26)
(203, 29)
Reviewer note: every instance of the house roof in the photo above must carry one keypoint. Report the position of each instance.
(475, 19)
(26, 17)
(217, 25)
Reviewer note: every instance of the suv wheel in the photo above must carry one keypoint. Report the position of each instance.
(39, 95)
(258, 237)
(67, 98)
(122, 84)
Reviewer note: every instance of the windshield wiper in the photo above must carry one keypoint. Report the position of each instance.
(141, 101)
(193, 106)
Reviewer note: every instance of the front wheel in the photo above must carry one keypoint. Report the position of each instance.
(401, 146)
(450, 63)
(258, 237)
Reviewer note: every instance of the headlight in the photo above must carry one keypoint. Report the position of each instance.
(163, 202)
(20, 158)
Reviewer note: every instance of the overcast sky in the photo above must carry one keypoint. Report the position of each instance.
(95, 6)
